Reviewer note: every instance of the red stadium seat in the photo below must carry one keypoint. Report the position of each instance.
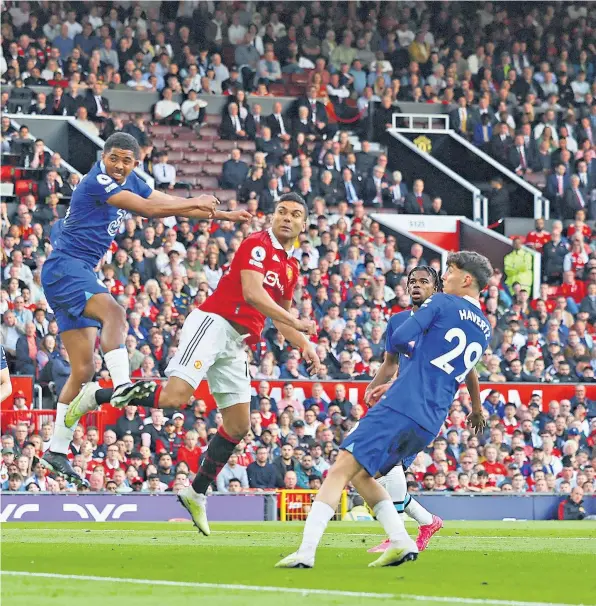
(176, 155)
(190, 169)
(160, 129)
(212, 169)
(180, 193)
(8, 174)
(213, 119)
(247, 146)
(225, 194)
(300, 79)
(200, 145)
(186, 135)
(210, 183)
(295, 91)
(277, 89)
(24, 186)
(194, 156)
(218, 157)
(248, 158)
(178, 144)
(225, 145)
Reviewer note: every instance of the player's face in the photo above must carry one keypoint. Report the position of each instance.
(288, 221)
(119, 163)
(420, 286)
(455, 280)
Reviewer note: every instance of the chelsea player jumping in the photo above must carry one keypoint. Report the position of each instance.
(444, 340)
(79, 300)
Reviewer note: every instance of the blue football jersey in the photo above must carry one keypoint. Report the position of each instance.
(90, 225)
(394, 323)
(3, 362)
(450, 335)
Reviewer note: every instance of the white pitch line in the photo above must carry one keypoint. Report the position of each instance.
(270, 589)
(372, 535)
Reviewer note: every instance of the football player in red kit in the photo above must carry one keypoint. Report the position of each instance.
(259, 285)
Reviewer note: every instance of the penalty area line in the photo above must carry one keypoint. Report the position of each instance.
(271, 589)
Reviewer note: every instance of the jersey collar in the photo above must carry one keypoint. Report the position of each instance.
(472, 301)
(277, 244)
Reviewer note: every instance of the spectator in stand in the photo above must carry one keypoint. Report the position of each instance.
(166, 110)
(193, 110)
(234, 171)
(518, 266)
(418, 202)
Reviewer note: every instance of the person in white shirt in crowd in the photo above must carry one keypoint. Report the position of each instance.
(166, 110)
(193, 109)
(138, 83)
(580, 87)
(236, 31)
(164, 173)
(73, 26)
(192, 80)
(108, 55)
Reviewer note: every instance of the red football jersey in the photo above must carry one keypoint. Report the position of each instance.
(260, 252)
(538, 240)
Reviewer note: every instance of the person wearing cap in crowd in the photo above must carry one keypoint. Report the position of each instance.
(305, 441)
(136, 484)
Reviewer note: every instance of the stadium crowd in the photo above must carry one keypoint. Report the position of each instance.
(512, 68)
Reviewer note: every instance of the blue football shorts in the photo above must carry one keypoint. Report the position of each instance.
(68, 284)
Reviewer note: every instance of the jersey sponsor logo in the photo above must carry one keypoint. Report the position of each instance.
(275, 257)
(272, 279)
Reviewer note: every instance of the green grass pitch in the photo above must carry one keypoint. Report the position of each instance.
(493, 563)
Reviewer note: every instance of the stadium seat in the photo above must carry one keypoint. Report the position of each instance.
(200, 145)
(160, 129)
(248, 158)
(249, 146)
(181, 193)
(176, 155)
(194, 156)
(295, 90)
(190, 170)
(300, 79)
(207, 182)
(178, 144)
(212, 169)
(218, 157)
(225, 145)
(186, 135)
(225, 194)
(213, 119)
(9, 173)
(23, 187)
(277, 89)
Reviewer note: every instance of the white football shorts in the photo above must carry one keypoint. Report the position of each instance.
(210, 346)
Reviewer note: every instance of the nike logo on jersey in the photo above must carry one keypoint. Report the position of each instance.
(275, 258)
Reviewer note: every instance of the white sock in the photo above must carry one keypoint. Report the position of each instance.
(316, 522)
(62, 435)
(118, 366)
(387, 515)
(395, 484)
(418, 513)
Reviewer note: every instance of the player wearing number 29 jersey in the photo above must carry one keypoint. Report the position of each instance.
(449, 335)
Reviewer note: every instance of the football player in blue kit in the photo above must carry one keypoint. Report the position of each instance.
(444, 340)
(80, 301)
(423, 282)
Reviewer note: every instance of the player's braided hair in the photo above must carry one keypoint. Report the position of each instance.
(432, 272)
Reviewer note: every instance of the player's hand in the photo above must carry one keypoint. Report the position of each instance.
(313, 363)
(477, 422)
(238, 216)
(372, 396)
(308, 327)
(207, 203)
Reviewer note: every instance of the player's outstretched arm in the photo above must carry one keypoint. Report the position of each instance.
(476, 417)
(159, 204)
(236, 216)
(380, 383)
(401, 339)
(256, 296)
